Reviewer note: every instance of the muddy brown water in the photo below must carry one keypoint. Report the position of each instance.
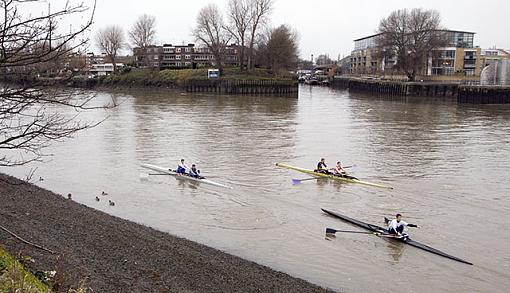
(448, 164)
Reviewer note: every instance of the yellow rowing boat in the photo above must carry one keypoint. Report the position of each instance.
(332, 176)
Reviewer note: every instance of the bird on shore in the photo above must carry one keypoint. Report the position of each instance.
(97, 198)
(104, 193)
(111, 203)
(68, 196)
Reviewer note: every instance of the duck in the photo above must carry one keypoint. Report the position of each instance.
(104, 193)
(97, 198)
(111, 202)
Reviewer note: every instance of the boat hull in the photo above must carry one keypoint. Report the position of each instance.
(180, 176)
(331, 176)
(406, 240)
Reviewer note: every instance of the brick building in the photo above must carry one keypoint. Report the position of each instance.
(181, 56)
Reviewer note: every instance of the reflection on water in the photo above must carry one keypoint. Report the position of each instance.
(447, 163)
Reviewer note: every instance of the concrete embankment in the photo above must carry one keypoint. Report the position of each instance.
(115, 255)
(445, 90)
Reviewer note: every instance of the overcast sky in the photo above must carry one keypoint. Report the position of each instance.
(327, 26)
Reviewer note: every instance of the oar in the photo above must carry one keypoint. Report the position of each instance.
(297, 181)
(379, 234)
(159, 174)
(333, 231)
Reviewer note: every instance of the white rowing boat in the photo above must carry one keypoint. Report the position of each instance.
(181, 176)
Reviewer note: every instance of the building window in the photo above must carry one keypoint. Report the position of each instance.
(469, 72)
(442, 71)
(187, 57)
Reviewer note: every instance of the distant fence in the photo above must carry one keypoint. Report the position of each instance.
(243, 87)
(453, 91)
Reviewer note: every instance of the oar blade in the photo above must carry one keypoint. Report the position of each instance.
(296, 181)
(330, 231)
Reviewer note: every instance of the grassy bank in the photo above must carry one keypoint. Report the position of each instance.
(15, 278)
(176, 77)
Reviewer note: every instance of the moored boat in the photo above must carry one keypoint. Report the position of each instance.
(182, 176)
(382, 231)
(332, 176)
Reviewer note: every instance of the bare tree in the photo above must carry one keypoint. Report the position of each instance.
(210, 31)
(239, 15)
(278, 50)
(412, 36)
(111, 41)
(260, 10)
(143, 32)
(324, 59)
(31, 114)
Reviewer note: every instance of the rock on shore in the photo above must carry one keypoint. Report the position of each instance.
(116, 255)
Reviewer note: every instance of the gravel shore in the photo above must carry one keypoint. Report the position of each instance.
(116, 255)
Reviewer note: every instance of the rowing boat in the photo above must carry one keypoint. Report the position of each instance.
(182, 176)
(332, 176)
(383, 232)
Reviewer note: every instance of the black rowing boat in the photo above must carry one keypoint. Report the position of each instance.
(383, 231)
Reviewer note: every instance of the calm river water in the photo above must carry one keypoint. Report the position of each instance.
(448, 164)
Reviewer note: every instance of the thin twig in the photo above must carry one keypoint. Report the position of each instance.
(25, 241)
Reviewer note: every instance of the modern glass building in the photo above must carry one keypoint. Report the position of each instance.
(366, 42)
(458, 57)
(459, 39)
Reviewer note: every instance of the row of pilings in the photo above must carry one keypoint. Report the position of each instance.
(244, 87)
(450, 91)
(484, 94)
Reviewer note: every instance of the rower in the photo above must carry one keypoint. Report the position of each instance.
(338, 169)
(181, 168)
(396, 226)
(194, 172)
(321, 167)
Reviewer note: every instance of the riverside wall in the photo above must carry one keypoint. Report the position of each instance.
(445, 90)
(243, 87)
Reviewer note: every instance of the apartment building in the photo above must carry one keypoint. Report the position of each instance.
(170, 56)
(460, 57)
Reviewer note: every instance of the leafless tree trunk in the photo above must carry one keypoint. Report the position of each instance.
(210, 30)
(239, 23)
(111, 41)
(260, 10)
(412, 36)
(143, 34)
(31, 114)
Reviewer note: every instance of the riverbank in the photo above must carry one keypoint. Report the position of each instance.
(233, 81)
(115, 255)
